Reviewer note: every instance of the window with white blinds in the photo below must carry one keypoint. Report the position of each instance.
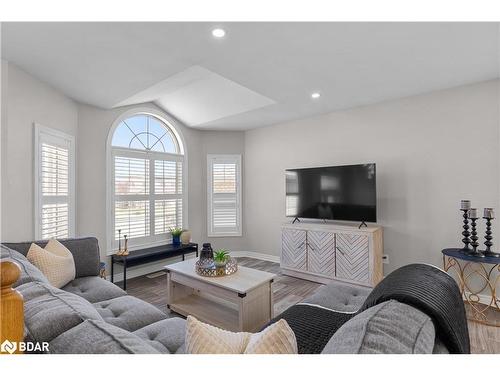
(224, 195)
(147, 181)
(54, 184)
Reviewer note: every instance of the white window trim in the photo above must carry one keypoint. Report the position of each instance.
(110, 248)
(39, 131)
(232, 158)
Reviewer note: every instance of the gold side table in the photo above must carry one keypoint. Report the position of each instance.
(476, 277)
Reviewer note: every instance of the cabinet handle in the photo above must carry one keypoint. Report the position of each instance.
(310, 246)
(339, 249)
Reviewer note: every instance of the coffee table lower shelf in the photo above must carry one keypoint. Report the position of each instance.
(221, 305)
(207, 310)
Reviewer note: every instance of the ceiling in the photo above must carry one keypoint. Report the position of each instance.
(259, 73)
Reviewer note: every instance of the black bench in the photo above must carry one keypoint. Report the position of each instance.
(151, 254)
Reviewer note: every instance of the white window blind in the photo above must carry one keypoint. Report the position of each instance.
(54, 184)
(224, 195)
(131, 196)
(142, 212)
(292, 193)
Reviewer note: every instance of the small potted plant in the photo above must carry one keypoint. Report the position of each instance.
(176, 236)
(221, 257)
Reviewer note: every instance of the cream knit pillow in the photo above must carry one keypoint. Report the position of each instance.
(202, 338)
(55, 261)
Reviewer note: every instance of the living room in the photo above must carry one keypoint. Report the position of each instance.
(250, 187)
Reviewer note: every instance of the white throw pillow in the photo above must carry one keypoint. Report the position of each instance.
(55, 261)
(202, 338)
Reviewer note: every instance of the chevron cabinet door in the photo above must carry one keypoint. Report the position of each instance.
(293, 252)
(352, 257)
(321, 254)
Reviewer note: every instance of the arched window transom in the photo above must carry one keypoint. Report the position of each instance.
(146, 132)
(147, 180)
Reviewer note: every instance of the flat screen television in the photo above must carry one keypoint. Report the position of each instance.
(347, 192)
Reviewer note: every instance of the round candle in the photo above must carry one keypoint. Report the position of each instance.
(473, 213)
(489, 213)
(464, 204)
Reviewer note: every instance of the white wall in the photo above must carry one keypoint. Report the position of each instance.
(26, 100)
(431, 151)
(93, 127)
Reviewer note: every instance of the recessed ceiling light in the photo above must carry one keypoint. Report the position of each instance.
(315, 95)
(218, 33)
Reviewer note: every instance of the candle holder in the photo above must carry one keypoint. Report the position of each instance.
(125, 246)
(488, 237)
(119, 240)
(120, 251)
(474, 252)
(465, 232)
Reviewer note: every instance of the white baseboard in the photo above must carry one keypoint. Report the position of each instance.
(256, 255)
(158, 266)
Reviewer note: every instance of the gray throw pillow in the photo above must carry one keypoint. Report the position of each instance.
(388, 328)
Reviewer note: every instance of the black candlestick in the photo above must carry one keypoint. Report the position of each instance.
(488, 237)
(119, 240)
(466, 232)
(474, 252)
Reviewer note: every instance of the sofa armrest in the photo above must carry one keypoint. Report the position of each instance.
(85, 253)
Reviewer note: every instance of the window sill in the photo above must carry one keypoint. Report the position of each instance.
(221, 235)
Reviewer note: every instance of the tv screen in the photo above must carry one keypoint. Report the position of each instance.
(332, 193)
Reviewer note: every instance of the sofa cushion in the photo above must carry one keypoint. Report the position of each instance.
(203, 338)
(166, 336)
(85, 253)
(128, 312)
(387, 328)
(94, 289)
(29, 272)
(55, 261)
(98, 337)
(49, 311)
(339, 296)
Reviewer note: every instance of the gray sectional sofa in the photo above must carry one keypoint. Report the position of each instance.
(92, 315)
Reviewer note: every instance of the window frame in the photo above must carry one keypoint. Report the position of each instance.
(58, 137)
(111, 151)
(229, 158)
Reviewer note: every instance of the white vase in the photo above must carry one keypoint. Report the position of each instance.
(186, 237)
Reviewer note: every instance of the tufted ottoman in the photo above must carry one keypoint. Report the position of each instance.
(339, 297)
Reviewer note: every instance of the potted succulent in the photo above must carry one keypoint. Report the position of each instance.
(221, 257)
(176, 236)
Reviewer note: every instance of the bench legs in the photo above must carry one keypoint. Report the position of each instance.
(125, 274)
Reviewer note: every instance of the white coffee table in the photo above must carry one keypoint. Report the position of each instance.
(242, 301)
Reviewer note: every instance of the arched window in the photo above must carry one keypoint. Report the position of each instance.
(147, 180)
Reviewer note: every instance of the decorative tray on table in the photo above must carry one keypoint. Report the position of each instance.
(207, 267)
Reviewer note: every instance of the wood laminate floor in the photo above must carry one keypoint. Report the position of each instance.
(290, 290)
